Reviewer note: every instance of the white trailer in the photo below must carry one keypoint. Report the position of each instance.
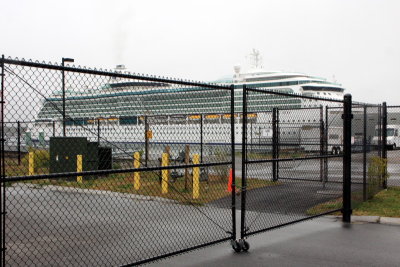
(310, 138)
(392, 137)
(335, 140)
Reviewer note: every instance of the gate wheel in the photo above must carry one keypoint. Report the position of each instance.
(236, 246)
(245, 245)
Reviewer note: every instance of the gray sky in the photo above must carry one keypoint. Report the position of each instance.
(357, 41)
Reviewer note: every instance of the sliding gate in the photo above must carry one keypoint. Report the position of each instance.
(290, 159)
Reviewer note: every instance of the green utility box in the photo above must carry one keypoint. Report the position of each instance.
(64, 151)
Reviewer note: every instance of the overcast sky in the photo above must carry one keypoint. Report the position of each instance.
(355, 41)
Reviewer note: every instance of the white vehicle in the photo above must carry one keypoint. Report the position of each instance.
(335, 140)
(310, 139)
(392, 139)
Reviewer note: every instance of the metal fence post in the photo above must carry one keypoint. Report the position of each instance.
(365, 154)
(201, 138)
(274, 143)
(278, 140)
(146, 141)
(384, 141)
(63, 97)
(379, 148)
(321, 143)
(98, 131)
(347, 117)
(54, 128)
(326, 145)
(63, 90)
(233, 186)
(3, 172)
(251, 137)
(19, 142)
(244, 162)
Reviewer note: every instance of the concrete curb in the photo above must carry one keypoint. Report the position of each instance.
(368, 219)
(390, 220)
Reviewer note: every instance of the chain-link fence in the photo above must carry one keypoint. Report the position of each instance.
(393, 144)
(293, 161)
(107, 168)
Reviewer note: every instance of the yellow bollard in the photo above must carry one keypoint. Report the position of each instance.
(31, 162)
(164, 173)
(136, 175)
(79, 168)
(196, 177)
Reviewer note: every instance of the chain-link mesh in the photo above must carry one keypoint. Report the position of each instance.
(107, 168)
(393, 142)
(73, 140)
(302, 179)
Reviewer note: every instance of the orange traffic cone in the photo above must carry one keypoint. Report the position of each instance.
(230, 181)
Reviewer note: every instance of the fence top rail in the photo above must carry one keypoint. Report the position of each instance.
(302, 108)
(257, 90)
(362, 104)
(358, 105)
(393, 106)
(110, 73)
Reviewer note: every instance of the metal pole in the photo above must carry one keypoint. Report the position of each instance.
(321, 143)
(3, 172)
(274, 143)
(233, 195)
(63, 89)
(201, 138)
(379, 148)
(54, 128)
(146, 144)
(347, 117)
(278, 145)
(63, 96)
(251, 137)
(98, 131)
(19, 142)
(384, 141)
(326, 146)
(365, 154)
(244, 162)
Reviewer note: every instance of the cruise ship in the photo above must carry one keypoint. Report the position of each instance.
(116, 112)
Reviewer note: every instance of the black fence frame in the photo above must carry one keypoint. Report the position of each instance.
(347, 124)
(244, 231)
(64, 69)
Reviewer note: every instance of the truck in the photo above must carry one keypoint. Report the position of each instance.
(335, 140)
(392, 136)
(311, 138)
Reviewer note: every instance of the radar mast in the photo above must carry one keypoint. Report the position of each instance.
(255, 59)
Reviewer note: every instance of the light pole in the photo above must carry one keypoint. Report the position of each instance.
(63, 88)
